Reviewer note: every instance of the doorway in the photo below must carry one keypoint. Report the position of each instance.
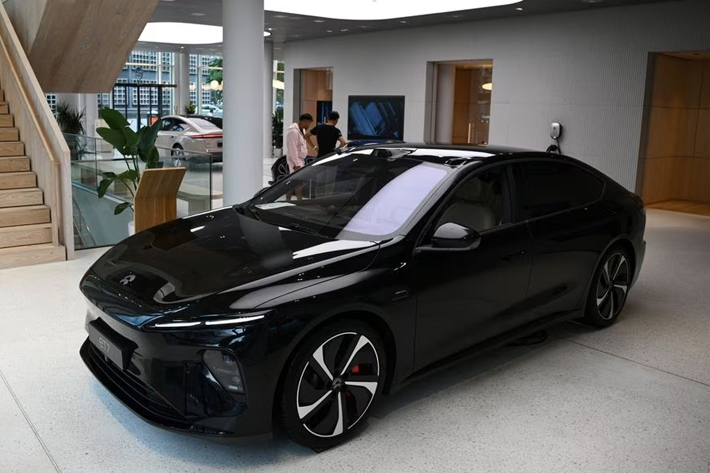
(314, 95)
(676, 158)
(460, 108)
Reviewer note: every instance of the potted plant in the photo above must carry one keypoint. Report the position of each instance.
(277, 132)
(71, 122)
(190, 109)
(134, 147)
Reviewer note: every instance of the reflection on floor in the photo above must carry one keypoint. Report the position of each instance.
(634, 398)
(683, 206)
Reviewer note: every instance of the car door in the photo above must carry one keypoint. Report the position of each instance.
(464, 298)
(570, 227)
(164, 139)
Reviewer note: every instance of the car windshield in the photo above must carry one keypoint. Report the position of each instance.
(356, 196)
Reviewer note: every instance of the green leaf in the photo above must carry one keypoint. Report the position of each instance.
(109, 175)
(152, 159)
(113, 118)
(129, 175)
(115, 138)
(103, 186)
(121, 207)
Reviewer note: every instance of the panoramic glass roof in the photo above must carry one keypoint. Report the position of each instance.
(377, 9)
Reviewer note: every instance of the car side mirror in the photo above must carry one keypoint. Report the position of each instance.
(453, 237)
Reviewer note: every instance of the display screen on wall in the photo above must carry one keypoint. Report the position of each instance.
(376, 117)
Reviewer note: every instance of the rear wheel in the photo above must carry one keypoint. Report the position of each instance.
(332, 383)
(281, 169)
(610, 288)
(177, 153)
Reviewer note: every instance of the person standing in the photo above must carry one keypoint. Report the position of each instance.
(296, 147)
(327, 135)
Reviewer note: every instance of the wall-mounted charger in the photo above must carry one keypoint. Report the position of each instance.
(555, 134)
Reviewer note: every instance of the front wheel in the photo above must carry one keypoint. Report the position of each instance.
(610, 288)
(332, 383)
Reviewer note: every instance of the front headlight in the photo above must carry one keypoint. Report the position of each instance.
(210, 321)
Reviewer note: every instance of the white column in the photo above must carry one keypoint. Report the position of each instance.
(268, 96)
(243, 52)
(445, 88)
(182, 82)
(91, 113)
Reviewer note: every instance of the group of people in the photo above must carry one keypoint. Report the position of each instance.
(299, 134)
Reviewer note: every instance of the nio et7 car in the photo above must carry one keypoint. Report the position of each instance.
(351, 277)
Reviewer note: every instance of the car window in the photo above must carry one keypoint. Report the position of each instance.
(354, 196)
(479, 203)
(167, 124)
(546, 187)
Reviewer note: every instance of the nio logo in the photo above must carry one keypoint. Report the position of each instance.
(128, 279)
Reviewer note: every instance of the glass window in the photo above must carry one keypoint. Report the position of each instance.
(546, 187)
(479, 203)
(351, 196)
(205, 125)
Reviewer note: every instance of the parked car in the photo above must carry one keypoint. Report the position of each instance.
(193, 134)
(402, 259)
(211, 110)
(280, 169)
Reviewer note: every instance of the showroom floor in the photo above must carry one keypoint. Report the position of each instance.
(632, 398)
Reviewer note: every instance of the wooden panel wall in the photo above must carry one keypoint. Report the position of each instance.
(677, 163)
(314, 89)
(79, 46)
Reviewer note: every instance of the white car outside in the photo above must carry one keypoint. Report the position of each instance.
(211, 110)
(181, 136)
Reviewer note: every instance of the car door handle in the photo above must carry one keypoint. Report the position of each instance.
(513, 256)
(400, 295)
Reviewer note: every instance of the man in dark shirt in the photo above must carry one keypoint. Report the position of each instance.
(327, 135)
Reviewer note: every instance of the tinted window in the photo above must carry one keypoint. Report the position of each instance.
(545, 187)
(205, 125)
(479, 203)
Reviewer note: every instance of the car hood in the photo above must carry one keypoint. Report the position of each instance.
(221, 255)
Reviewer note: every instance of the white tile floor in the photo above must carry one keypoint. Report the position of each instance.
(632, 398)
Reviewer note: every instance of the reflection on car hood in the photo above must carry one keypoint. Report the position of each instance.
(228, 255)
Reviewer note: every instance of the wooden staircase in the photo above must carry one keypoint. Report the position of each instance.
(25, 222)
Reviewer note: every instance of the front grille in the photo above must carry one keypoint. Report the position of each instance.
(134, 393)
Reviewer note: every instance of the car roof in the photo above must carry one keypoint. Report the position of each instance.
(456, 155)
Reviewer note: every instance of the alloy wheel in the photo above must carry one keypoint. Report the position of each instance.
(282, 170)
(613, 286)
(338, 384)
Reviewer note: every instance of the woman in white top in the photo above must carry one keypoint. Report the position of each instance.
(296, 147)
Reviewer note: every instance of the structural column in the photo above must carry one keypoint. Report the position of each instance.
(445, 95)
(182, 84)
(243, 52)
(268, 97)
(91, 113)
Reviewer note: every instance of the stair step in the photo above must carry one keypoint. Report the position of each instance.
(9, 134)
(30, 255)
(17, 180)
(12, 148)
(14, 164)
(25, 235)
(20, 197)
(30, 215)
(7, 120)
(4, 107)
(2, 95)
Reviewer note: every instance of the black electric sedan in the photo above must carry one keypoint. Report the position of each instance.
(351, 277)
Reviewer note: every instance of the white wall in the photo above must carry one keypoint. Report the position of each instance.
(584, 69)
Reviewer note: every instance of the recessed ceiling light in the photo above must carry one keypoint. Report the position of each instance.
(403, 21)
(183, 33)
(198, 14)
(344, 29)
(280, 16)
(318, 21)
(519, 9)
(329, 31)
(376, 10)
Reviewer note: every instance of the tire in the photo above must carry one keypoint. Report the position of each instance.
(609, 289)
(177, 154)
(280, 169)
(325, 398)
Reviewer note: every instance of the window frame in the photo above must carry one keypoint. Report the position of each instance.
(517, 211)
(427, 232)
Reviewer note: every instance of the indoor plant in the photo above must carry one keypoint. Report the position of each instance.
(134, 147)
(71, 122)
(277, 132)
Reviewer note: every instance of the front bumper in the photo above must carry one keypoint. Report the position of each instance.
(166, 383)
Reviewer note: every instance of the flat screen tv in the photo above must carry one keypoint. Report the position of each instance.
(376, 117)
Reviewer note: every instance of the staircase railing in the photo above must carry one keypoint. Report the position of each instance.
(44, 143)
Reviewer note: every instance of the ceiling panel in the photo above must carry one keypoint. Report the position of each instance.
(287, 28)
